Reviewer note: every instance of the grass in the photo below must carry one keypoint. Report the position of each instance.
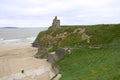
(72, 40)
(91, 64)
(103, 34)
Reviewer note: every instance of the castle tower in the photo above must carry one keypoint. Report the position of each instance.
(56, 22)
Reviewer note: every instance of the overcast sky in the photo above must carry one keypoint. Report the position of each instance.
(40, 13)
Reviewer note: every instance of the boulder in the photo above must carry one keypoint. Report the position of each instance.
(54, 56)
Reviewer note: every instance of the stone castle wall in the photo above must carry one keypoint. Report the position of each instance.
(56, 23)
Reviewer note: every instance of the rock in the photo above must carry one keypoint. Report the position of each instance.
(79, 30)
(95, 46)
(58, 77)
(60, 52)
(85, 36)
(34, 44)
(39, 53)
(54, 56)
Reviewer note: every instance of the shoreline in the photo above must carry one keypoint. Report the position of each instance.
(15, 58)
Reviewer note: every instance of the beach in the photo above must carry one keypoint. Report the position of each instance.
(17, 62)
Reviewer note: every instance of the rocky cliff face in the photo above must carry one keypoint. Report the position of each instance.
(56, 55)
(53, 40)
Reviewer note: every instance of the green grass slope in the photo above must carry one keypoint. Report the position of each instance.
(103, 34)
(85, 61)
(91, 64)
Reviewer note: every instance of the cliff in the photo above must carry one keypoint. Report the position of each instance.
(75, 36)
(55, 43)
(56, 38)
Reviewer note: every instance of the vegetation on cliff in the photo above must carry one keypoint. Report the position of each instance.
(91, 64)
(94, 51)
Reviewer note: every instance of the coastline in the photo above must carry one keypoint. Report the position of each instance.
(15, 58)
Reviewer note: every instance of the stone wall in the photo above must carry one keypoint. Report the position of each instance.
(56, 23)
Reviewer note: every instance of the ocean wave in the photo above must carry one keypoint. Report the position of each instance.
(1, 39)
(12, 40)
(28, 40)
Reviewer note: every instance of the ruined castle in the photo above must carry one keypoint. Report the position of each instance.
(56, 23)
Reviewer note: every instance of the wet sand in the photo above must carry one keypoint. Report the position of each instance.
(17, 63)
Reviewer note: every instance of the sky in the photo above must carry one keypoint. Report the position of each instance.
(40, 13)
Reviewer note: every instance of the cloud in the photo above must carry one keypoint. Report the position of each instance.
(40, 13)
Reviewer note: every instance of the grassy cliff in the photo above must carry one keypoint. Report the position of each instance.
(94, 51)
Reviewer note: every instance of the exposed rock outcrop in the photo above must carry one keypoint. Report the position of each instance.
(48, 41)
(39, 53)
(54, 56)
(35, 44)
(79, 30)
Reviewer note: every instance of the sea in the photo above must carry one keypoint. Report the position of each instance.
(18, 36)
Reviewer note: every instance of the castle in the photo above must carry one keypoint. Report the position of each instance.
(56, 23)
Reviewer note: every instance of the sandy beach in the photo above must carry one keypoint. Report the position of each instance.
(17, 63)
